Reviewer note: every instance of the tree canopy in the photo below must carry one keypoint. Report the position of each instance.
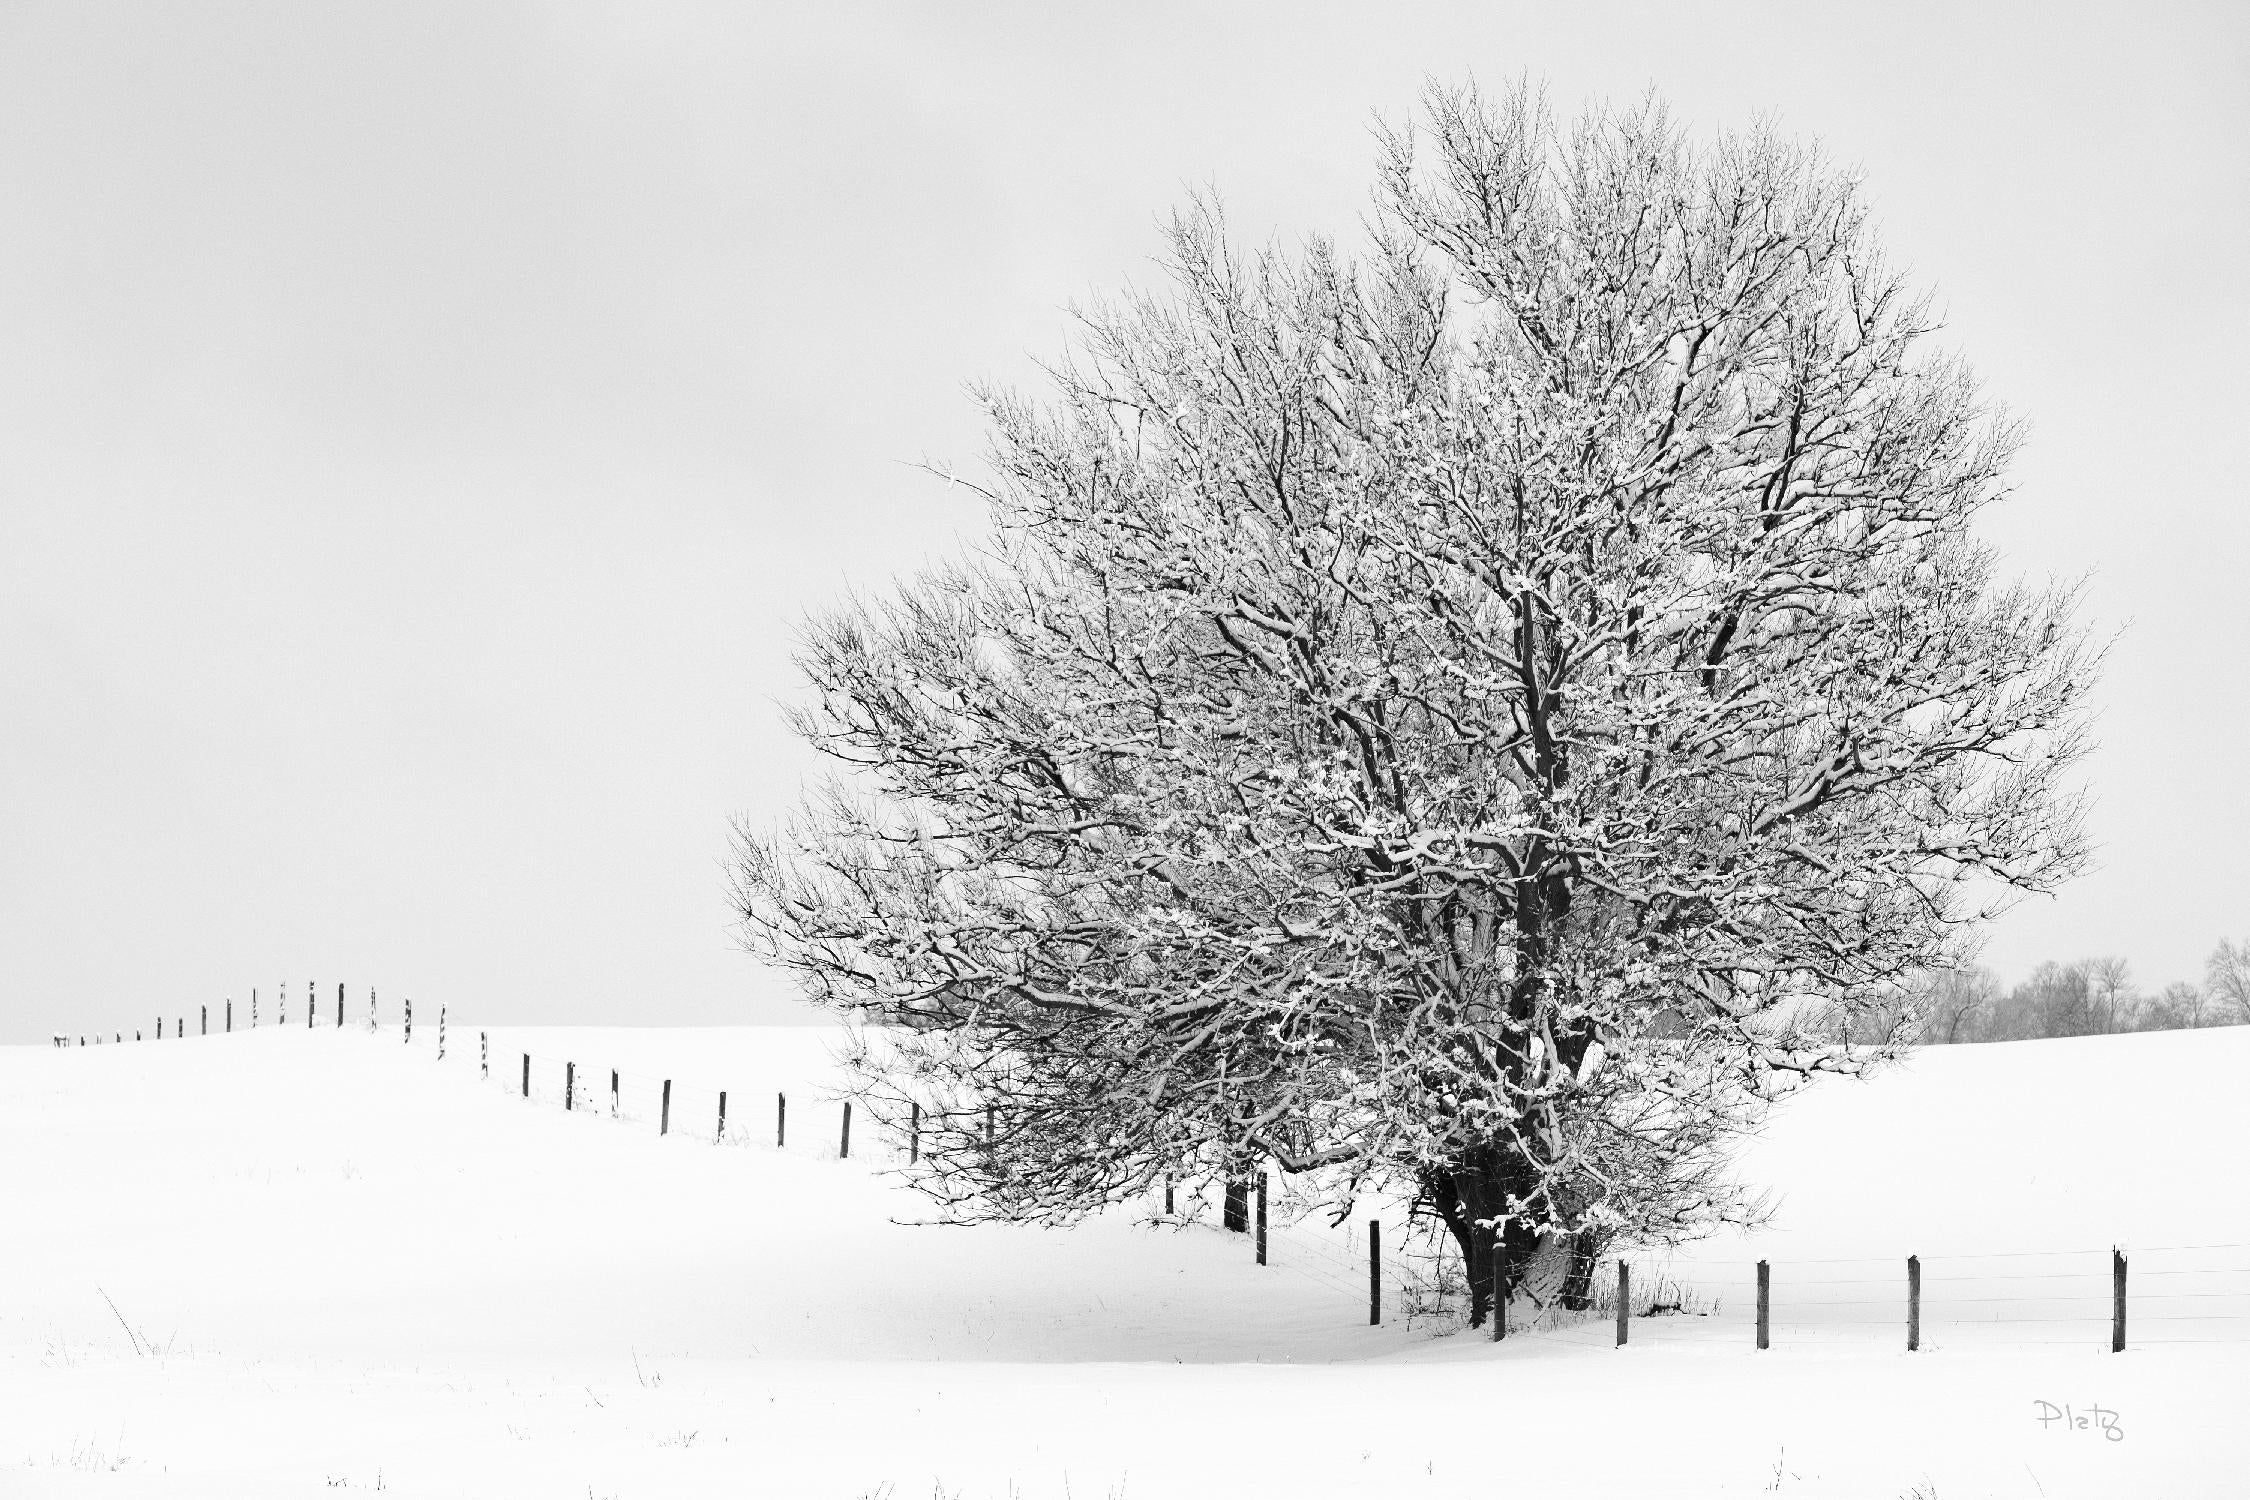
(1440, 716)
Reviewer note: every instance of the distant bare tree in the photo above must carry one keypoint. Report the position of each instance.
(2065, 999)
(2054, 1000)
(1956, 1003)
(2110, 992)
(2180, 1007)
(2226, 978)
(2089, 997)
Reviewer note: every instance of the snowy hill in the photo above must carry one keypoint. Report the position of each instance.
(290, 1261)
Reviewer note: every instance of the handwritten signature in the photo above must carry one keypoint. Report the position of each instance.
(2091, 1419)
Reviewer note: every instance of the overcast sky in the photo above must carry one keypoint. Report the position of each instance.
(421, 427)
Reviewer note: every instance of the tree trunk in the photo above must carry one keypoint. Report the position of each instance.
(1235, 1214)
(1585, 1250)
(1469, 1197)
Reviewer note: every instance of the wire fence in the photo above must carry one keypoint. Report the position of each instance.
(2095, 1297)
(1404, 1272)
(309, 1007)
(1395, 1267)
(2092, 1297)
(793, 1114)
(802, 1118)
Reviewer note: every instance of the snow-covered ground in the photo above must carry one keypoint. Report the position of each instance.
(289, 1262)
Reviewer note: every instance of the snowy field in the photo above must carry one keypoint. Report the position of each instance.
(290, 1262)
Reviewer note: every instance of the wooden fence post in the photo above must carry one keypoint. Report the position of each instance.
(2117, 1300)
(988, 1130)
(1374, 1272)
(1765, 1305)
(203, 1020)
(230, 1015)
(281, 1006)
(441, 1031)
(722, 1135)
(1913, 1303)
(179, 1027)
(339, 1005)
(1261, 1218)
(914, 1133)
(484, 1055)
(570, 1086)
(1168, 1195)
(253, 1009)
(664, 1123)
(613, 1111)
(312, 1002)
(409, 1028)
(527, 1075)
(844, 1146)
(374, 1017)
(1624, 1300)
(1499, 1278)
(780, 1121)
(160, 1028)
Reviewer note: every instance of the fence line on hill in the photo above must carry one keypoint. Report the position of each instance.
(2107, 1296)
(1421, 1280)
(312, 1007)
(2111, 1297)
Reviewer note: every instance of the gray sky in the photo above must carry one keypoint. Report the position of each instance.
(420, 427)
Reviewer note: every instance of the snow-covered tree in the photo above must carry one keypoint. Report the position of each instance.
(1444, 718)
